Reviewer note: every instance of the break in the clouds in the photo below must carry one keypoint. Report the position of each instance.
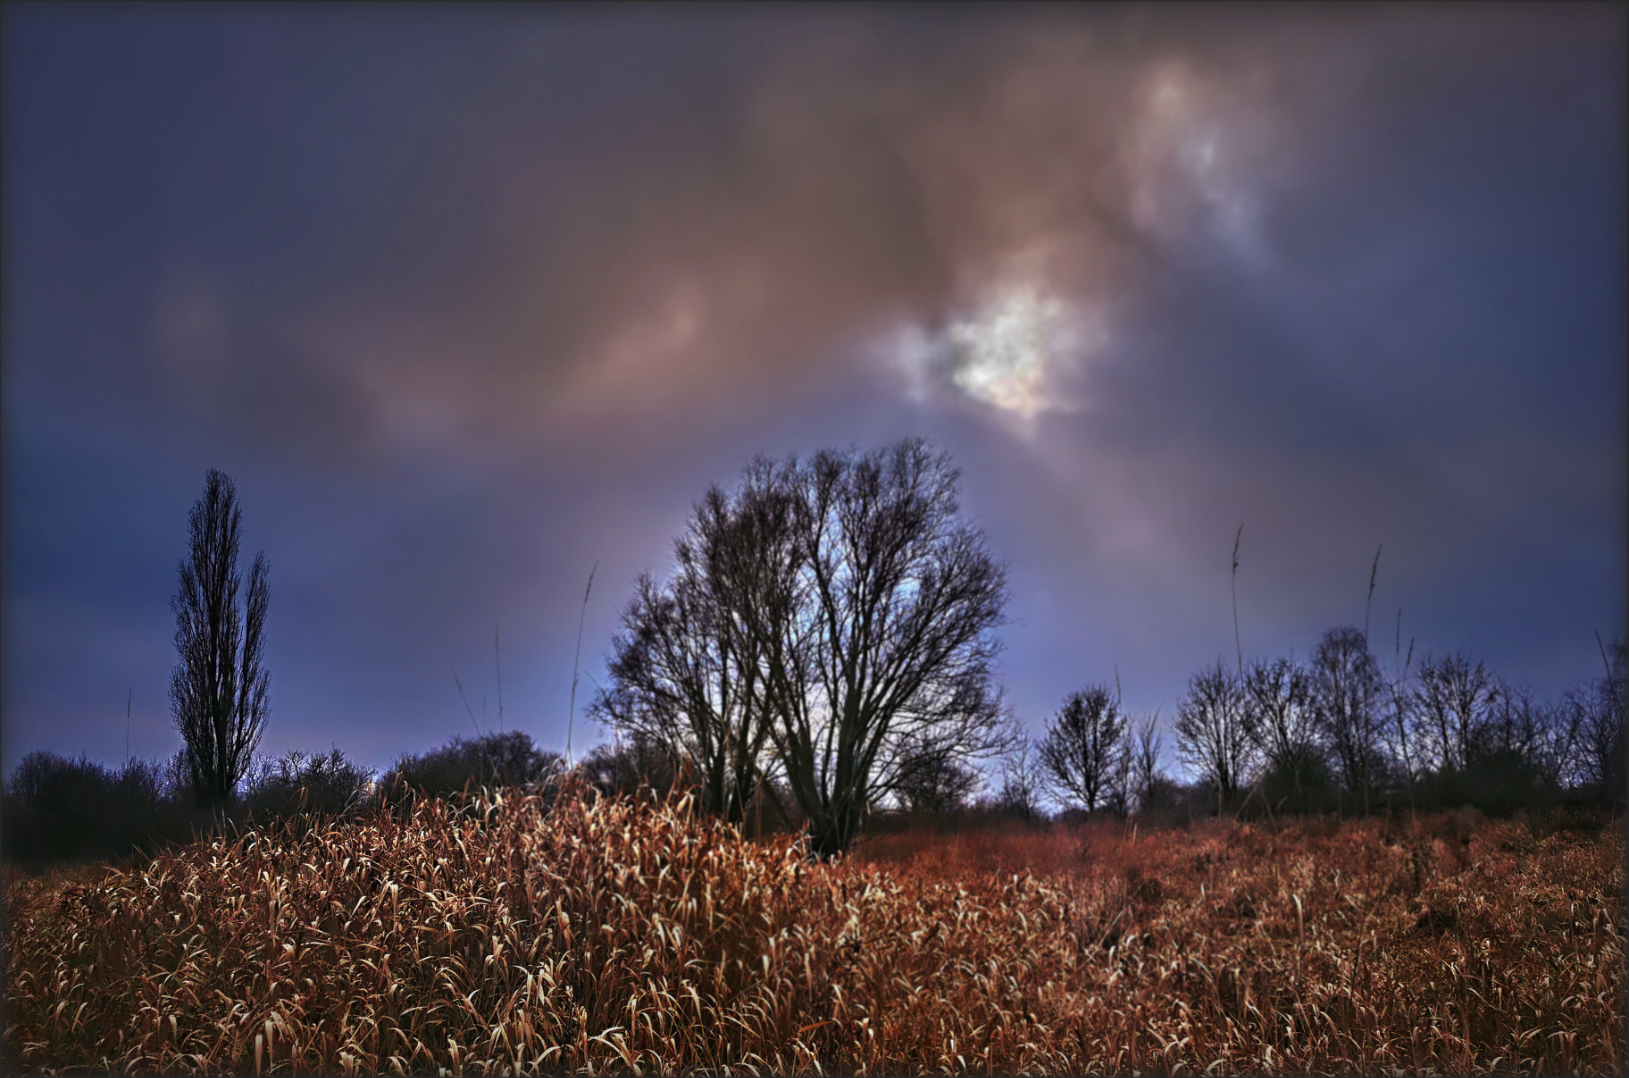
(467, 300)
(1171, 155)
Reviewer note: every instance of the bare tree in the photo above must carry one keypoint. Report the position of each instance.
(1400, 730)
(930, 778)
(1084, 750)
(674, 684)
(850, 608)
(1594, 716)
(1455, 702)
(1021, 780)
(1520, 727)
(1345, 686)
(898, 620)
(306, 783)
(1214, 732)
(220, 690)
(1145, 770)
(687, 671)
(1279, 698)
(1277, 693)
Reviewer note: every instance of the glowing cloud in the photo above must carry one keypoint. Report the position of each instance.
(1005, 350)
(1012, 353)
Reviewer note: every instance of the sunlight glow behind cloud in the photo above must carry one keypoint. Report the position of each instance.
(497, 296)
(1199, 155)
(1012, 353)
(1005, 350)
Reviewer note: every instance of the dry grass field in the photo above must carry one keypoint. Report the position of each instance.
(624, 937)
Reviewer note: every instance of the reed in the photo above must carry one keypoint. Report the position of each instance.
(497, 935)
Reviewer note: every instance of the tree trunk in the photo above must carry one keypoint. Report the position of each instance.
(833, 831)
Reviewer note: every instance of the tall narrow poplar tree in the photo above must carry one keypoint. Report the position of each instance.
(220, 690)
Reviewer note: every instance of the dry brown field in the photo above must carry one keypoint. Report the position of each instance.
(633, 937)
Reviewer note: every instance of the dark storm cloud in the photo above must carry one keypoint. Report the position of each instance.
(467, 299)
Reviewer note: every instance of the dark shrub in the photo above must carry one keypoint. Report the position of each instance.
(57, 809)
(300, 783)
(623, 767)
(1299, 785)
(1168, 803)
(626, 767)
(934, 782)
(491, 760)
(1497, 783)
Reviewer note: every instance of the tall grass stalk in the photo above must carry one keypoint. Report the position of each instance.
(571, 719)
(1237, 646)
(526, 934)
(1374, 572)
(464, 698)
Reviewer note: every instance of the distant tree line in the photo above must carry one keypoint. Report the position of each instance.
(823, 645)
(1338, 733)
(822, 651)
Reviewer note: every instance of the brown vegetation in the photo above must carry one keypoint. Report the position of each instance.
(624, 936)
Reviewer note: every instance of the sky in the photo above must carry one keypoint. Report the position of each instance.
(469, 300)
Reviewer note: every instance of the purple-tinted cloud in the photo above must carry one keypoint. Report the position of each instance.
(468, 299)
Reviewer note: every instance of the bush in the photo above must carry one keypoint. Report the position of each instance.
(1299, 785)
(491, 760)
(58, 809)
(63, 810)
(935, 783)
(1498, 784)
(1167, 803)
(620, 768)
(300, 783)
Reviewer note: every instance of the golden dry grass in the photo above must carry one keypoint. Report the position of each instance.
(620, 936)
